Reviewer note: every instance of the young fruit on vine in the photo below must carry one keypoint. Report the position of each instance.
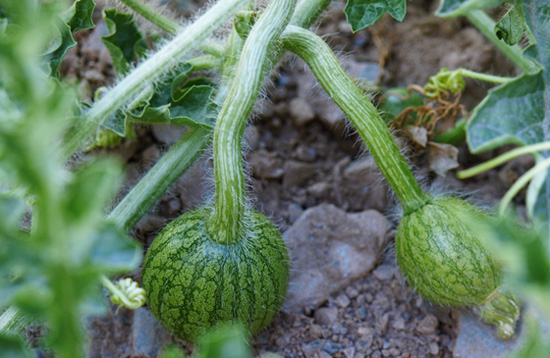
(439, 246)
(225, 262)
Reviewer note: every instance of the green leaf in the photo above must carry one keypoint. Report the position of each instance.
(112, 251)
(535, 345)
(66, 41)
(453, 8)
(181, 101)
(79, 15)
(125, 42)
(12, 346)
(91, 189)
(11, 210)
(364, 13)
(226, 340)
(511, 26)
(518, 112)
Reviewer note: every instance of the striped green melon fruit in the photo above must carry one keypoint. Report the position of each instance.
(440, 251)
(441, 254)
(193, 282)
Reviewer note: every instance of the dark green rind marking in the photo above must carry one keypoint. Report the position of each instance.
(442, 256)
(193, 282)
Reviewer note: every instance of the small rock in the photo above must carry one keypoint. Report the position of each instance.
(365, 331)
(428, 325)
(168, 133)
(331, 347)
(148, 335)
(384, 272)
(342, 301)
(329, 248)
(297, 173)
(351, 292)
(270, 355)
(369, 71)
(266, 165)
(433, 348)
(349, 352)
(151, 154)
(326, 315)
(319, 189)
(398, 324)
(301, 111)
(315, 331)
(305, 154)
(323, 354)
(381, 324)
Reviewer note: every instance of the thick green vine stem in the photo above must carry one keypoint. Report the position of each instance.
(438, 242)
(149, 72)
(227, 262)
(228, 166)
(360, 111)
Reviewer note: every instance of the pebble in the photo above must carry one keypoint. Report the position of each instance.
(342, 301)
(428, 325)
(315, 331)
(433, 348)
(349, 352)
(398, 324)
(301, 111)
(384, 272)
(319, 189)
(266, 165)
(297, 173)
(326, 315)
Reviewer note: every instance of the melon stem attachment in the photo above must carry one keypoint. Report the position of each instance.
(229, 209)
(361, 112)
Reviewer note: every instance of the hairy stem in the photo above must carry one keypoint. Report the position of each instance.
(307, 12)
(503, 158)
(487, 26)
(228, 166)
(174, 163)
(148, 72)
(363, 115)
(152, 16)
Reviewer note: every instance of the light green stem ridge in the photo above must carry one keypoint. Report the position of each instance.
(487, 26)
(307, 12)
(12, 322)
(360, 111)
(148, 72)
(226, 223)
(503, 158)
(483, 76)
(541, 166)
(206, 62)
(159, 178)
(152, 16)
